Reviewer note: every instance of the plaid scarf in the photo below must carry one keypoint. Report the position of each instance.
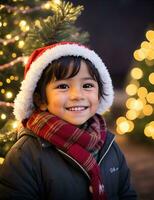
(76, 142)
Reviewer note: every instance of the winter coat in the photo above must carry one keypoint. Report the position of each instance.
(35, 170)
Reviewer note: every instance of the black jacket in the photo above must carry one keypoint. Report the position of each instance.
(35, 170)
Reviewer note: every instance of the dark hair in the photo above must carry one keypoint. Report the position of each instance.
(61, 69)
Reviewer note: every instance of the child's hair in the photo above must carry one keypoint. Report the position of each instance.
(64, 68)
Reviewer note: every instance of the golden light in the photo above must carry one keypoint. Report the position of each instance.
(150, 97)
(9, 95)
(149, 130)
(21, 44)
(150, 54)
(12, 77)
(142, 92)
(135, 104)
(1, 53)
(8, 36)
(5, 24)
(1, 160)
(37, 23)
(147, 110)
(46, 6)
(22, 23)
(139, 55)
(136, 73)
(2, 91)
(125, 126)
(54, 4)
(8, 80)
(120, 119)
(14, 55)
(1, 83)
(131, 125)
(15, 124)
(132, 114)
(57, 2)
(129, 102)
(3, 116)
(16, 78)
(151, 78)
(24, 28)
(122, 125)
(131, 89)
(145, 45)
(150, 35)
(16, 38)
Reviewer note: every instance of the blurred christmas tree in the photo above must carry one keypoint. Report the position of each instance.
(139, 116)
(25, 26)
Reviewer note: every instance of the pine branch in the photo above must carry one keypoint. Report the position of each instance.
(12, 63)
(58, 27)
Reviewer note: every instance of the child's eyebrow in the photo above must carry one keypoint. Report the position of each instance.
(88, 78)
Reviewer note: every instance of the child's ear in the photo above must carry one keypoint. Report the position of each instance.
(38, 103)
(43, 106)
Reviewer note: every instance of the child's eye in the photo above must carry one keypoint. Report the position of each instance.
(88, 85)
(62, 86)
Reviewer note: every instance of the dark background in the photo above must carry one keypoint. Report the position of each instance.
(116, 28)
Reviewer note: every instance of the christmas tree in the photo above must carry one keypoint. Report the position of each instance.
(27, 25)
(139, 117)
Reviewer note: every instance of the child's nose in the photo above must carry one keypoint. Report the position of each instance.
(76, 94)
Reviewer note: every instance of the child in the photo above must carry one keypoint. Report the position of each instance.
(64, 150)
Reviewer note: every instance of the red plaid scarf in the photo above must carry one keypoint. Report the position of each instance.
(76, 142)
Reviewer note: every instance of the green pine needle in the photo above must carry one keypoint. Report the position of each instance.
(56, 28)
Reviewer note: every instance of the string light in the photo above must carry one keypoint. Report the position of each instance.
(136, 73)
(9, 95)
(131, 89)
(3, 116)
(1, 53)
(15, 124)
(2, 91)
(14, 55)
(151, 78)
(150, 97)
(124, 125)
(8, 36)
(8, 81)
(146, 51)
(150, 35)
(149, 130)
(141, 103)
(12, 77)
(132, 114)
(6, 104)
(21, 44)
(147, 110)
(12, 63)
(142, 92)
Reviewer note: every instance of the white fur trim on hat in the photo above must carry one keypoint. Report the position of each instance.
(23, 104)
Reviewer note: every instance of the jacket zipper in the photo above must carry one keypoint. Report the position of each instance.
(74, 161)
(79, 163)
(106, 151)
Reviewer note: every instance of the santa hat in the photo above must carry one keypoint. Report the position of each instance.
(39, 60)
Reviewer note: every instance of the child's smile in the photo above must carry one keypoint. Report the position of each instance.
(75, 99)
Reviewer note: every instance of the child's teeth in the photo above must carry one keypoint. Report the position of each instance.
(77, 108)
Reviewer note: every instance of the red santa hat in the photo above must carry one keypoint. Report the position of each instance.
(39, 60)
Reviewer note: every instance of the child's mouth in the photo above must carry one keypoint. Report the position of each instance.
(77, 108)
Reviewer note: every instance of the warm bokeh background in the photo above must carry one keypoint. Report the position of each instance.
(122, 33)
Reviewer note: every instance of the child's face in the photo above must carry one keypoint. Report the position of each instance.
(74, 100)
